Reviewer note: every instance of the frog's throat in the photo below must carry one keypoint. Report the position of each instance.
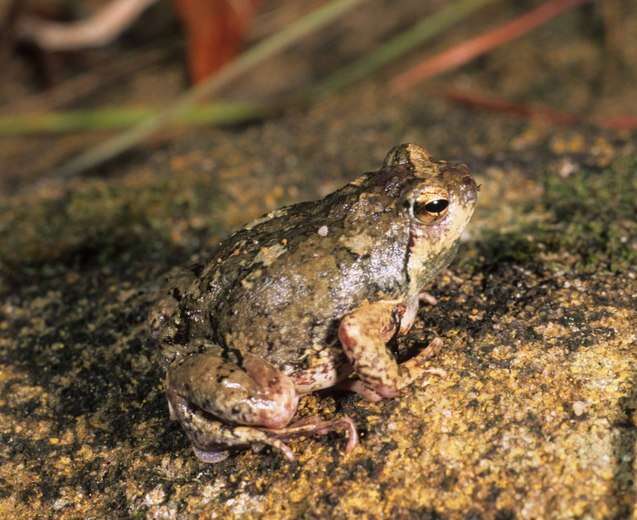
(423, 265)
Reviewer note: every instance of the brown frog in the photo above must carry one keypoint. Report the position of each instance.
(306, 298)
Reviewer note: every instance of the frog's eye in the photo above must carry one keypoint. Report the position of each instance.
(430, 210)
(436, 206)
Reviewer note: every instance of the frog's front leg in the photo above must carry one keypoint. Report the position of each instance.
(221, 404)
(364, 334)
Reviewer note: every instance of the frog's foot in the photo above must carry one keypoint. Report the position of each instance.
(317, 426)
(364, 334)
(414, 368)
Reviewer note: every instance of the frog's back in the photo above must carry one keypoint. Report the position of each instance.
(279, 287)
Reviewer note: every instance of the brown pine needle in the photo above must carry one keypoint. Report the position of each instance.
(471, 49)
(492, 104)
(618, 122)
(543, 113)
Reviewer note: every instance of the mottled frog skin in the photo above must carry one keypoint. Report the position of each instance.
(306, 298)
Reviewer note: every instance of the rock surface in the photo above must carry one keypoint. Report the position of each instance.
(534, 417)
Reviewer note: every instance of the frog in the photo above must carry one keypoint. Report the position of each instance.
(306, 298)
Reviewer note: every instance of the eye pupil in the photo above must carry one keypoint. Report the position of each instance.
(436, 206)
(429, 212)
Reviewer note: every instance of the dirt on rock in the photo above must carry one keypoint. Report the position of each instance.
(533, 413)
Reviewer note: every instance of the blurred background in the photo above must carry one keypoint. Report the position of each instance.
(76, 72)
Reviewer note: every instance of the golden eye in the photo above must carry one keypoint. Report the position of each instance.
(428, 211)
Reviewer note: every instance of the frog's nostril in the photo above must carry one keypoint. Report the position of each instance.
(467, 180)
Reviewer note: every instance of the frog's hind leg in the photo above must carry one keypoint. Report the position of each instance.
(210, 437)
(223, 404)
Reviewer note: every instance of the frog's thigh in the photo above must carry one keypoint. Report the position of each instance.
(364, 334)
(254, 393)
(210, 437)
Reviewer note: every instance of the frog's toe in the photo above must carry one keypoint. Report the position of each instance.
(347, 424)
(341, 423)
(429, 298)
(285, 450)
(277, 444)
(414, 368)
(386, 391)
(357, 386)
(318, 426)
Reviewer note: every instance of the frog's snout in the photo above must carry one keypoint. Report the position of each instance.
(459, 180)
(468, 181)
(470, 189)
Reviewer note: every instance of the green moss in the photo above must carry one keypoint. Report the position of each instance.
(592, 226)
(105, 218)
(594, 217)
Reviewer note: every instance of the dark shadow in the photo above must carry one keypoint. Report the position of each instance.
(83, 339)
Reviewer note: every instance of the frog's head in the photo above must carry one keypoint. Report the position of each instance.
(438, 200)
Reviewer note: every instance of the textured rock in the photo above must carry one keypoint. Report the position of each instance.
(532, 415)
